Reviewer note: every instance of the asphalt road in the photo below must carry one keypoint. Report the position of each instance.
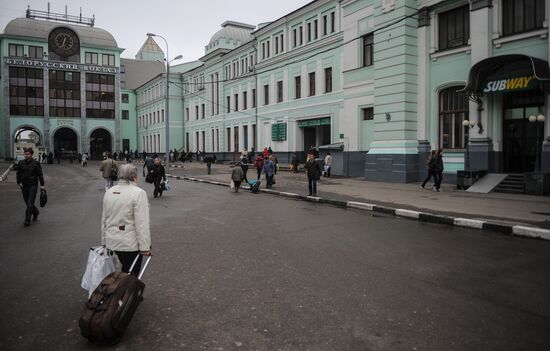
(258, 272)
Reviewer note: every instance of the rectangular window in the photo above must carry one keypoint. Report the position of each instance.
(309, 32)
(125, 98)
(122, 69)
(125, 114)
(16, 50)
(268, 48)
(203, 111)
(315, 29)
(64, 93)
(301, 30)
(297, 87)
(332, 22)
(108, 60)
(236, 102)
(520, 16)
(368, 46)
(282, 41)
(328, 80)
(26, 91)
(276, 45)
(228, 104)
(312, 84)
(453, 110)
(245, 102)
(228, 139)
(245, 137)
(236, 139)
(454, 28)
(254, 136)
(294, 37)
(266, 94)
(91, 58)
(162, 115)
(101, 87)
(280, 91)
(36, 52)
(187, 114)
(254, 98)
(325, 25)
(367, 113)
(197, 112)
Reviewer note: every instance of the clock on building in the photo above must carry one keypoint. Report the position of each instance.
(64, 42)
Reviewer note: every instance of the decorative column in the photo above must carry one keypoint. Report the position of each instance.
(423, 106)
(84, 140)
(480, 145)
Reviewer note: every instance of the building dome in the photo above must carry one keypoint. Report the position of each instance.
(32, 28)
(232, 35)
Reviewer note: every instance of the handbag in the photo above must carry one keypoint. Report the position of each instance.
(43, 197)
(114, 172)
(167, 186)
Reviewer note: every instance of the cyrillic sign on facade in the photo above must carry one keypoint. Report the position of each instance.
(71, 66)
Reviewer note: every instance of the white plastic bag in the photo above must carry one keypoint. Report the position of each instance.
(101, 263)
(232, 185)
(167, 186)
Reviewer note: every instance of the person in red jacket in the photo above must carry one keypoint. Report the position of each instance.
(266, 153)
(259, 164)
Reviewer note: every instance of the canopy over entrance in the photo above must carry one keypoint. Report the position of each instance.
(508, 73)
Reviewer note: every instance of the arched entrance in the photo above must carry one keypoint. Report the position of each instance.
(100, 142)
(65, 142)
(28, 134)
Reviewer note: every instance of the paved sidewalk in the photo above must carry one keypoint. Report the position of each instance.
(506, 208)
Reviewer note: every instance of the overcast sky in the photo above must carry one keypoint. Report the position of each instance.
(187, 25)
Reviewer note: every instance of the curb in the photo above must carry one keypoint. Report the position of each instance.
(507, 229)
(4, 175)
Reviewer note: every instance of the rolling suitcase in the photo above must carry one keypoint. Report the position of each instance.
(112, 305)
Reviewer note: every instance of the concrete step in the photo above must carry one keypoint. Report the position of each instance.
(513, 183)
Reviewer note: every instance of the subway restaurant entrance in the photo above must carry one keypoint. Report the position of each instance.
(520, 140)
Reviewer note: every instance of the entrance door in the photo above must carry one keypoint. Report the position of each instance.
(520, 143)
(100, 142)
(310, 138)
(65, 142)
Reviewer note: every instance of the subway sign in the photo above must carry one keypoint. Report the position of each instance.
(510, 84)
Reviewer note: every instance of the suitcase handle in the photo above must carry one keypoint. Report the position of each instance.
(144, 266)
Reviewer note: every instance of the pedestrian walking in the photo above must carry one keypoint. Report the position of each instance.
(85, 159)
(313, 172)
(158, 173)
(171, 156)
(244, 165)
(259, 164)
(294, 163)
(108, 170)
(275, 161)
(269, 170)
(144, 155)
(125, 227)
(208, 160)
(327, 166)
(438, 169)
(430, 167)
(29, 174)
(237, 176)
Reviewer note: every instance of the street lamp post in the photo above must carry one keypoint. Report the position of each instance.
(536, 119)
(167, 107)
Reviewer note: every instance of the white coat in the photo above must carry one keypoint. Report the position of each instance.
(125, 218)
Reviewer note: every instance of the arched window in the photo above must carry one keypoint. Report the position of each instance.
(453, 110)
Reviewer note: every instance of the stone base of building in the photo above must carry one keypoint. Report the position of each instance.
(398, 168)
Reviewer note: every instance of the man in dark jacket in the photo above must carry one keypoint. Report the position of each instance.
(159, 177)
(208, 160)
(29, 173)
(438, 169)
(313, 171)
